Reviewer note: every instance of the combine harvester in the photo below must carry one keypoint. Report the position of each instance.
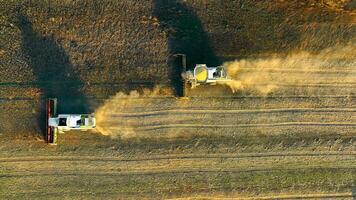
(202, 75)
(65, 122)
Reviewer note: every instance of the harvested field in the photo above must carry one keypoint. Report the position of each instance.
(285, 128)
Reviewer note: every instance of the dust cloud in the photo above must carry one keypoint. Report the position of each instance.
(112, 105)
(108, 118)
(265, 75)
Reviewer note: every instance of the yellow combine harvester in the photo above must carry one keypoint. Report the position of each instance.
(206, 75)
(202, 75)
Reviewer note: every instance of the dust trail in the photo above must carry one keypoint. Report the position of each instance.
(120, 103)
(335, 65)
(110, 106)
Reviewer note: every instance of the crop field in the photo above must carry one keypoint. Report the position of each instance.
(283, 128)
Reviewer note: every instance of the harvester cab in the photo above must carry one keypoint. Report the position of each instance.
(59, 123)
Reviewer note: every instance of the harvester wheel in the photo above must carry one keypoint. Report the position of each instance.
(184, 88)
(183, 77)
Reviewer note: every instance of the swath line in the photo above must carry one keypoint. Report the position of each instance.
(173, 156)
(231, 111)
(282, 124)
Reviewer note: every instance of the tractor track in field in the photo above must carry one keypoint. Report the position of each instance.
(191, 156)
(341, 195)
(312, 196)
(294, 70)
(296, 196)
(282, 124)
(208, 110)
(163, 172)
(130, 195)
(199, 197)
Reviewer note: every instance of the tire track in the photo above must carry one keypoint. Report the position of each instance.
(296, 85)
(229, 111)
(200, 197)
(168, 157)
(294, 70)
(165, 172)
(295, 196)
(114, 194)
(281, 124)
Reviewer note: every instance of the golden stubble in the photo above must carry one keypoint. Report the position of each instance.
(266, 75)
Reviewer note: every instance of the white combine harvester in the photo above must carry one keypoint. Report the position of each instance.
(65, 122)
(202, 75)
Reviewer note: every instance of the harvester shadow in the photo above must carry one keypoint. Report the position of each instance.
(186, 35)
(55, 74)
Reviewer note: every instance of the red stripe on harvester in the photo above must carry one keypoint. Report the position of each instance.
(48, 116)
